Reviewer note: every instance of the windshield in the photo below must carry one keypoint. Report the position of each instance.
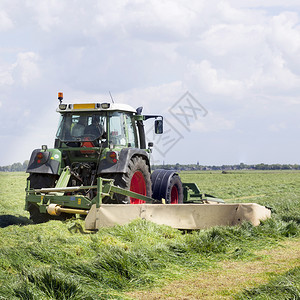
(81, 127)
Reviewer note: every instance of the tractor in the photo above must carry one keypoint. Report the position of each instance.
(104, 140)
(100, 167)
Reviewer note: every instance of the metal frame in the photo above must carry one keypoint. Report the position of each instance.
(105, 188)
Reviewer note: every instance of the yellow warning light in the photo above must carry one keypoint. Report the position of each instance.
(60, 96)
(84, 106)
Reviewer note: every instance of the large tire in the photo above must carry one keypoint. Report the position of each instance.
(136, 179)
(175, 191)
(166, 184)
(35, 215)
(38, 181)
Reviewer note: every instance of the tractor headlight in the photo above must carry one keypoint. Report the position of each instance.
(62, 106)
(105, 105)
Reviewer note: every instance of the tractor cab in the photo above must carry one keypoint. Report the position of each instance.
(97, 125)
(78, 128)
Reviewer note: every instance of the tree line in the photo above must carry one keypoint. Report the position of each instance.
(15, 167)
(241, 166)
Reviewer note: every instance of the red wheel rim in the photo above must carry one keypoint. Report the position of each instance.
(138, 185)
(174, 195)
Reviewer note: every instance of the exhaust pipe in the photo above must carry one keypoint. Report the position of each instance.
(56, 210)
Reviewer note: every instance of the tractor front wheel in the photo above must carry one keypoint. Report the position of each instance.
(38, 181)
(35, 215)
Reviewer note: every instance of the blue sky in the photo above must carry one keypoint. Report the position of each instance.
(239, 61)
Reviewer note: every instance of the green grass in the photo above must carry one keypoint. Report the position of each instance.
(283, 287)
(56, 261)
(12, 193)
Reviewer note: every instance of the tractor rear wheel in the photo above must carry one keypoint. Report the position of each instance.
(136, 179)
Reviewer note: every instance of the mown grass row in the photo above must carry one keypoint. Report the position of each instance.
(284, 287)
(47, 261)
(53, 261)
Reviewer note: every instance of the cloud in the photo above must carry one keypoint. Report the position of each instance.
(231, 39)
(5, 21)
(213, 122)
(285, 38)
(48, 14)
(6, 78)
(150, 20)
(265, 4)
(215, 81)
(240, 59)
(154, 98)
(243, 55)
(275, 76)
(277, 127)
(26, 68)
(229, 14)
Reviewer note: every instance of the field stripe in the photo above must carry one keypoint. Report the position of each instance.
(230, 277)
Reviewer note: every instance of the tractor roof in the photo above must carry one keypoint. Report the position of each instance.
(91, 107)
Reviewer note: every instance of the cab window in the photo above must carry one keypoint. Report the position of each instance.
(78, 127)
(117, 129)
(131, 133)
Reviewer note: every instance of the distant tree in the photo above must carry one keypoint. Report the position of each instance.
(25, 165)
(286, 167)
(242, 166)
(16, 167)
(261, 167)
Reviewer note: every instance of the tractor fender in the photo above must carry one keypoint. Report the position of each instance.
(48, 164)
(161, 179)
(125, 155)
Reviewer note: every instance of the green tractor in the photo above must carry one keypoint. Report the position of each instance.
(100, 165)
(97, 140)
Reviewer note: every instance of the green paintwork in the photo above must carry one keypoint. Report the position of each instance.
(63, 180)
(192, 194)
(56, 155)
(139, 117)
(105, 188)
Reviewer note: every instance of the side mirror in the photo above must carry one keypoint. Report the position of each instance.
(158, 126)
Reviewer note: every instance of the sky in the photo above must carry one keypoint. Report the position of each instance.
(224, 74)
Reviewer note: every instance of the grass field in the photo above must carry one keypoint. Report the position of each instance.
(57, 260)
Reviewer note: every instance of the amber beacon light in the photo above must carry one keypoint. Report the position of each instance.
(60, 97)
